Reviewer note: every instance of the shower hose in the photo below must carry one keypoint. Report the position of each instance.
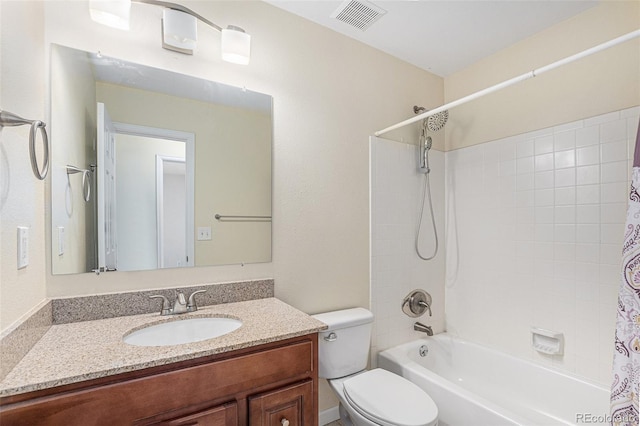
(426, 193)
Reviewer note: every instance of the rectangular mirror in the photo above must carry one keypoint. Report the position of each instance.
(154, 169)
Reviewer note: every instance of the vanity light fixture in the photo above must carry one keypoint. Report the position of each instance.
(179, 27)
(179, 31)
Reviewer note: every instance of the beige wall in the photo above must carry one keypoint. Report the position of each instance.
(606, 81)
(22, 196)
(233, 177)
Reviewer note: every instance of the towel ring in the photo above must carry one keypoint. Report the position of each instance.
(86, 180)
(35, 125)
(10, 119)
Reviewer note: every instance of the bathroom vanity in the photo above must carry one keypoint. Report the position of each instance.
(264, 373)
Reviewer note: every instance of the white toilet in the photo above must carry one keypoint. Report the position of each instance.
(367, 397)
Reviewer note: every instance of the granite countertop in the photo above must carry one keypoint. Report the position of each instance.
(70, 353)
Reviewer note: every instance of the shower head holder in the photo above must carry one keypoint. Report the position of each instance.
(434, 122)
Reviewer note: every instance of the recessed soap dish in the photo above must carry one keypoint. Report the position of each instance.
(547, 341)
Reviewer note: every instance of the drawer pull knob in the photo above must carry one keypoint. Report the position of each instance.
(284, 422)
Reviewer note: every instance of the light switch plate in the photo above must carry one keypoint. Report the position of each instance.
(60, 240)
(23, 247)
(204, 233)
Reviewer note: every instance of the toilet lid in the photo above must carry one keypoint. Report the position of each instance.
(388, 399)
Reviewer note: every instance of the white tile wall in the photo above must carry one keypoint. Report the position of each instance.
(396, 190)
(534, 234)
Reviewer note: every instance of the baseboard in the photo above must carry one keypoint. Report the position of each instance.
(329, 415)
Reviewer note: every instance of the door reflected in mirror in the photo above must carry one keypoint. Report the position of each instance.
(169, 153)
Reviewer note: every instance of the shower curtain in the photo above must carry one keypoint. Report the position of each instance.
(626, 362)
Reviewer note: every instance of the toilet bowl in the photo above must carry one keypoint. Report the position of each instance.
(379, 397)
(367, 397)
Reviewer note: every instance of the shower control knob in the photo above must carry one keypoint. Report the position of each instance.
(417, 303)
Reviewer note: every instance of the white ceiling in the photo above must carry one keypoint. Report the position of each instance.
(444, 36)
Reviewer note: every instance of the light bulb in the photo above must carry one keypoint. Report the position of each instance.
(236, 45)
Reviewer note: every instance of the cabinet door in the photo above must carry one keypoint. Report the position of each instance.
(226, 415)
(288, 406)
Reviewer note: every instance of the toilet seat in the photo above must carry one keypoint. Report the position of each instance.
(389, 400)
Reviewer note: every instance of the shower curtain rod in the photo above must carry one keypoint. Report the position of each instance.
(510, 82)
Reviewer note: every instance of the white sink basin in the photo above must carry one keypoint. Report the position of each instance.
(182, 331)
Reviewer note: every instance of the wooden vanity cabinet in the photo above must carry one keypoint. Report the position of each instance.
(271, 384)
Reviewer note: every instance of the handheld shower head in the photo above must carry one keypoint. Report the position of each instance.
(427, 143)
(425, 147)
(433, 123)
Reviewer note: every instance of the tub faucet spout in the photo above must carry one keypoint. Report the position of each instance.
(418, 326)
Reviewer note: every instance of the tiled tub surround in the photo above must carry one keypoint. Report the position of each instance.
(17, 341)
(396, 191)
(534, 235)
(70, 353)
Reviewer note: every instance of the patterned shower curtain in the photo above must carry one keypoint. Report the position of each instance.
(626, 361)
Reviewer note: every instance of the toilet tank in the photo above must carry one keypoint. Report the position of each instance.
(343, 348)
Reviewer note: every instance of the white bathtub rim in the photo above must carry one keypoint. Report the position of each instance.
(400, 357)
(446, 336)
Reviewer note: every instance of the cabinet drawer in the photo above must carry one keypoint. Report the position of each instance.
(146, 397)
(226, 415)
(289, 406)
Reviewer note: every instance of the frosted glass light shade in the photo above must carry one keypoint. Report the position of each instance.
(113, 13)
(180, 29)
(236, 45)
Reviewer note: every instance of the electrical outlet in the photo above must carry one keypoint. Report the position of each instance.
(204, 233)
(23, 247)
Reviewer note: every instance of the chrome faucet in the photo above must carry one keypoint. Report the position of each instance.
(180, 305)
(418, 326)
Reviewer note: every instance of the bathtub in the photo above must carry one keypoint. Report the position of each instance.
(475, 385)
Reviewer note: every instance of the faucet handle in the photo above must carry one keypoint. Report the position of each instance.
(417, 303)
(191, 304)
(426, 305)
(166, 305)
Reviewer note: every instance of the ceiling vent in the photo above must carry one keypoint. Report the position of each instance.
(358, 13)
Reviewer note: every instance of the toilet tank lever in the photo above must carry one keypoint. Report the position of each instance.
(331, 337)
